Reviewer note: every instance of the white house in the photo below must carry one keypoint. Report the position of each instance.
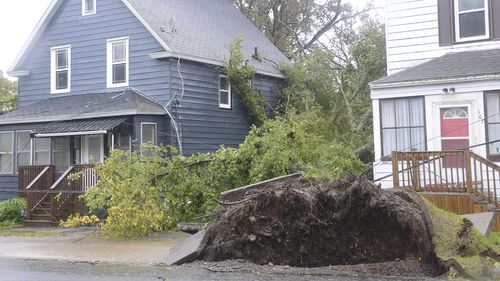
(442, 91)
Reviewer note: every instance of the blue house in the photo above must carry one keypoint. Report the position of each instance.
(97, 75)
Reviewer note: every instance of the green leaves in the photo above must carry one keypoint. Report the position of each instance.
(8, 94)
(143, 194)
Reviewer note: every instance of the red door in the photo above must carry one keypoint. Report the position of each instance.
(454, 133)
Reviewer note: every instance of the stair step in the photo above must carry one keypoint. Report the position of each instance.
(40, 223)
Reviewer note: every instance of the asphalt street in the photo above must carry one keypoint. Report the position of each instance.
(37, 270)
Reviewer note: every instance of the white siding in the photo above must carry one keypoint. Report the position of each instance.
(412, 34)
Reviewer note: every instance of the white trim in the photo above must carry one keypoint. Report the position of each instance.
(457, 14)
(53, 70)
(77, 117)
(109, 62)
(155, 131)
(436, 109)
(433, 81)
(229, 105)
(85, 148)
(101, 132)
(12, 152)
(146, 25)
(169, 54)
(84, 8)
(42, 23)
(19, 73)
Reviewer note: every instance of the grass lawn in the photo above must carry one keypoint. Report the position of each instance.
(10, 229)
(495, 240)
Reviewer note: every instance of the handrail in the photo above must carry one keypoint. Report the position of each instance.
(63, 177)
(38, 178)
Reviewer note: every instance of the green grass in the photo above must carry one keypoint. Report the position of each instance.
(26, 233)
(446, 227)
(495, 240)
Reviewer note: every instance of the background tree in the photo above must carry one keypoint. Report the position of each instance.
(8, 94)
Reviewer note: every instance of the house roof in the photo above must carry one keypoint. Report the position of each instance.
(84, 106)
(190, 29)
(79, 127)
(463, 66)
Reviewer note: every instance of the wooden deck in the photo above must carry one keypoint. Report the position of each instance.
(461, 182)
(48, 202)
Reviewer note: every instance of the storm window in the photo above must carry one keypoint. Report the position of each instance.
(224, 92)
(88, 7)
(23, 148)
(118, 62)
(471, 20)
(60, 69)
(6, 152)
(402, 125)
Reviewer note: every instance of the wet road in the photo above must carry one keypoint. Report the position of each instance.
(30, 270)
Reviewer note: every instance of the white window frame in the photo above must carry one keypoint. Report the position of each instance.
(12, 152)
(34, 160)
(53, 59)
(84, 8)
(457, 14)
(17, 148)
(229, 104)
(155, 132)
(110, 63)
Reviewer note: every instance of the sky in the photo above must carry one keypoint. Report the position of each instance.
(19, 17)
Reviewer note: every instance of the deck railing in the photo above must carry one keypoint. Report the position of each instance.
(459, 171)
(36, 191)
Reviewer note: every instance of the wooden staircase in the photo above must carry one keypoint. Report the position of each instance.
(457, 181)
(49, 202)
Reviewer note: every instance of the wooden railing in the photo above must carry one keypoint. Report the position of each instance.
(37, 190)
(75, 181)
(27, 174)
(459, 171)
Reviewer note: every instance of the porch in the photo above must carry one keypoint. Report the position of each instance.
(51, 198)
(458, 181)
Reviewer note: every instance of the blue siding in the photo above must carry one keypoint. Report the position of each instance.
(204, 126)
(162, 127)
(87, 36)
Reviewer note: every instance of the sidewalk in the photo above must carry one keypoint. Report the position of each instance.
(85, 245)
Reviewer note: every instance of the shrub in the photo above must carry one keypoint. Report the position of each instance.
(77, 220)
(11, 211)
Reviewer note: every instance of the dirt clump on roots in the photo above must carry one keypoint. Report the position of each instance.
(304, 223)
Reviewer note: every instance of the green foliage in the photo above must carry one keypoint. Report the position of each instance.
(11, 211)
(77, 220)
(143, 194)
(239, 76)
(8, 94)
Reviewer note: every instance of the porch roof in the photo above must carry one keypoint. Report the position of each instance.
(84, 106)
(79, 127)
(462, 66)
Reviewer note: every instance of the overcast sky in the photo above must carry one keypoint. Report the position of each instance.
(19, 17)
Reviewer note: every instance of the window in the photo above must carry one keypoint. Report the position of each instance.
(493, 125)
(117, 53)
(402, 125)
(148, 133)
(42, 151)
(471, 20)
(122, 141)
(6, 153)
(61, 153)
(88, 7)
(224, 92)
(60, 69)
(23, 148)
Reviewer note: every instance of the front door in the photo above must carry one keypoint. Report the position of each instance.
(454, 133)
(454, 128)
(93, 149)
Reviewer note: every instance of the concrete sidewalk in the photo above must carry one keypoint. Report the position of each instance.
(86, 245)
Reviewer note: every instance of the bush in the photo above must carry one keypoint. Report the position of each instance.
(146, 193)
(11, 211)
(77, 220)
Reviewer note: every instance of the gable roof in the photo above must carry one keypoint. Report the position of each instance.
(463, 66)
(202, 31)
(84, 106)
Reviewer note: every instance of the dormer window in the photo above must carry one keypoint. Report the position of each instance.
(60, 74)
(88, 7)
(118, 61)
(471, 20)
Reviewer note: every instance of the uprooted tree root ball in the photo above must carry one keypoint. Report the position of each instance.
(312, 224)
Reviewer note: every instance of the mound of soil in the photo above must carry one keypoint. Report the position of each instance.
(298, 222)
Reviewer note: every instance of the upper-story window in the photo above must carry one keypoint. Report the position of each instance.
(117, 62)
(88, 7)
(60, 69)
(224, 92)
(471, 20)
